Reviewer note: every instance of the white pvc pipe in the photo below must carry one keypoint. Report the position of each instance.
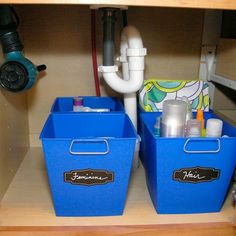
(130, 104)
(125, 70)
(132, 59)
(132, 36)
(130, 101)
(122, 86)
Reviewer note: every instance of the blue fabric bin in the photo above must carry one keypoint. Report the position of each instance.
(88, 159)
(187, 175)
(65, 104)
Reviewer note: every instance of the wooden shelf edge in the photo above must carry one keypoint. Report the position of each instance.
(196, 229)
(210, 4)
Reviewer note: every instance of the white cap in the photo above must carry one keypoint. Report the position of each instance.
(214, 128)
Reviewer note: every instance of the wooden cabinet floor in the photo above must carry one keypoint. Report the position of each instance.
(27, 209)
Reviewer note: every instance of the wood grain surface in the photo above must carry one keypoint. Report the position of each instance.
(209, 4)
(219, 229)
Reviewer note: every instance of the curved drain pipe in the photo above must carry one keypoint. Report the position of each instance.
(132, 59)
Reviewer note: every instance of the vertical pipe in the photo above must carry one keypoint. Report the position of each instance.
(108, 36)
(124, 18)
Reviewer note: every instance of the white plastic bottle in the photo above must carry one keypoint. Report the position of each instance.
(214, 128)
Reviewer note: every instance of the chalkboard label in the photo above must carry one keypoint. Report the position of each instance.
(88, 177)
(196, 174)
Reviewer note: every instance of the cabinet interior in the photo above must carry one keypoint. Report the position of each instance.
(59, 36)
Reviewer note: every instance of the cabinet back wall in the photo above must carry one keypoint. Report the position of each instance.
(59, 36)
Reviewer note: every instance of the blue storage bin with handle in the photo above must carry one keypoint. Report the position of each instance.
(187, 175)
(88, 159)
(104, 104)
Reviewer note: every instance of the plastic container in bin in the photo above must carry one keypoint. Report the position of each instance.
(88, 159)
(187, 175)
(65, 104)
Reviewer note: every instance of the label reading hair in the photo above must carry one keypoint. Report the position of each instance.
(196, 174)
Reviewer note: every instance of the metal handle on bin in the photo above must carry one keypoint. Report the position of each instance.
(202, 151)
(92, 141)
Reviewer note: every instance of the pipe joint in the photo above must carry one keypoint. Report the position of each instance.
(136, 52)
(108, 69)
(136, 63)
(122, 59)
